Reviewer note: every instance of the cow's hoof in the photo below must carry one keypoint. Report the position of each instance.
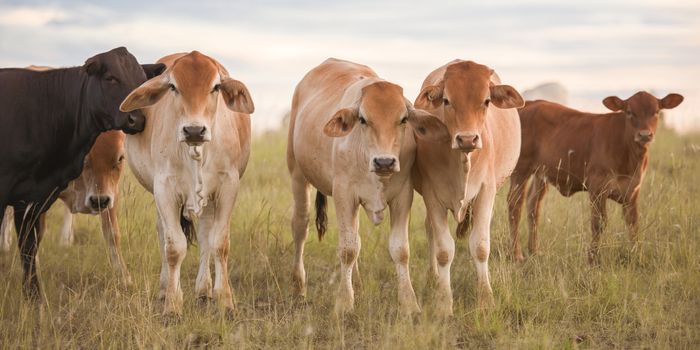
(203, 300)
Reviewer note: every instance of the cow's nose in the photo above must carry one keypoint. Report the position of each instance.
(468, 142)
(194, 134)
(99, 202)
(384, 164)
(645, 136)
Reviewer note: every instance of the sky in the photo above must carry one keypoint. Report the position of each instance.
(594, 48)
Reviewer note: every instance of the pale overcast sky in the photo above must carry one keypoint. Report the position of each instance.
(594, 48)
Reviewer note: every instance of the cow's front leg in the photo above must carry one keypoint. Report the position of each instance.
(203, 284)
(598, 220)
(400, 208)
(112, 236)
(5, 228)
(28, 224)
(480, 242)
(219, 242)
(67, 236)
(174, 245)
(443, 248)
(346, 207)
(631, 213)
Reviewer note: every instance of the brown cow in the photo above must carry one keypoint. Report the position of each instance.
(467, 166)
(604, 154)
(94, 192)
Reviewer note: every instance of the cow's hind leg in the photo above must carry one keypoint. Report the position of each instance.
(301, 191)
(400, 208)
(518, 186)
(28, 223)
(5, 228)
(535, 195)
(480, 242)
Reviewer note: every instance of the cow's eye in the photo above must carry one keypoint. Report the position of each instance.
(121, 159)
(487, 102)
(404, 120)
(111, 79)
(172, 87)
(216, 88)
(363, 121)
(446, 102)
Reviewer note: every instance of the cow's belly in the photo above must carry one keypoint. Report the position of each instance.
(313, 155)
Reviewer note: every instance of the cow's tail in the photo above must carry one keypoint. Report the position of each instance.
(321, 217)
(188, 228)
(464, 226)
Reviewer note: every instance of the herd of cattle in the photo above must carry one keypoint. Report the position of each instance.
(352, 136)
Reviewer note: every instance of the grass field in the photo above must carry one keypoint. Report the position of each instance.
(644, 299)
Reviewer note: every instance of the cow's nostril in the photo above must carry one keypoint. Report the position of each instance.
(384, 163)
(194, 133)
(99, 202)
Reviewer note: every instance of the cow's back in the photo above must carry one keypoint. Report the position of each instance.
(316, 98)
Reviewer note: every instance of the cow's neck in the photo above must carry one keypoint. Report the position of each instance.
(75, 129)
(636, 155)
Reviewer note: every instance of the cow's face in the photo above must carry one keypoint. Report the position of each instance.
(463, 97)
(379, 122)
(97, 186)
(642, 112)
(195, 84)
(111, 77)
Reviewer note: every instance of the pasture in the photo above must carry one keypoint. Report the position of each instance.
(636, 299)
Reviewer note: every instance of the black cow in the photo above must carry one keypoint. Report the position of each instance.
(48, 123)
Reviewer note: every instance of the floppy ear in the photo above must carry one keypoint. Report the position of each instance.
(342, 122)
(505, 96)
(670, 101)
(431, 96)
(145, 95)
(93, 66)
(153, 70)
(236, 96)
(427, 126)
(614, 103)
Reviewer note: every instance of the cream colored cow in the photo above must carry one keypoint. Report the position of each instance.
(466, 169)
(349, 138)
(191, 156)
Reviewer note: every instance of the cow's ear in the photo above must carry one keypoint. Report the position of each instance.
(342, 122)
(153, 70)
(430, 97)
(93, 66)
(145, 95)
(505, 96)
(236, 96)
(614, 103)
(671, 101)
(427, 126)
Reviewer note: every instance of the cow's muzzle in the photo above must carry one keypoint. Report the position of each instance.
(135, 123)
(467, 142)
(98, 203)
(385, 166)
(195, 135)
(643, 137)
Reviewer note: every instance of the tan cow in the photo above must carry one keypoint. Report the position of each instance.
(604, 154)
(191, 156)
(348, 138)
(467, 168)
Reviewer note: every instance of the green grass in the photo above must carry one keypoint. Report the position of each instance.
(644, 299)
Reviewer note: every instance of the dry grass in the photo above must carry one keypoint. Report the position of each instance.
(644, 299)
